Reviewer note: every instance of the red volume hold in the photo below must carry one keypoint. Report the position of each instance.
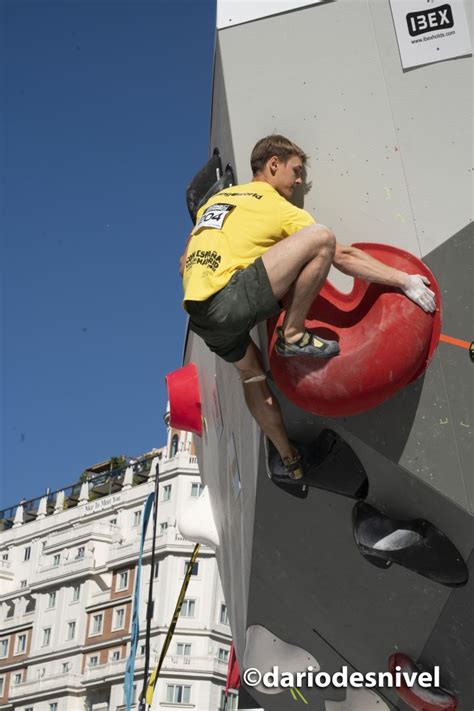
(185, 399)
(386, 342)
(417, 697)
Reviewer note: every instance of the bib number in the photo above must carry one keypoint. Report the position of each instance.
(214, 216)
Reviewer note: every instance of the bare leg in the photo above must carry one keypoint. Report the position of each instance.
(299, 265)
(261, 403)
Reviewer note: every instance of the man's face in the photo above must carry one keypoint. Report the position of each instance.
(286, 176)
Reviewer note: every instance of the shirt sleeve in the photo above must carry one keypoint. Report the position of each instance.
(294, 218)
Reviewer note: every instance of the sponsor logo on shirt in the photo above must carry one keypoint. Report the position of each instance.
(206, 258)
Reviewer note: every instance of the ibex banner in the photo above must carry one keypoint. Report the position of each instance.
(429, 31)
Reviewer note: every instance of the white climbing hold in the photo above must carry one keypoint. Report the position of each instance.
(195, 521)
(264, 651)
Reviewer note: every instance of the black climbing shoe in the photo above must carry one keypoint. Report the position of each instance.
(308, 345)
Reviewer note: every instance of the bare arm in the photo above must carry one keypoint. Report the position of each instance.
(356, 263)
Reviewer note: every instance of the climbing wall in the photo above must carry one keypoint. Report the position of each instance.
(389, 163)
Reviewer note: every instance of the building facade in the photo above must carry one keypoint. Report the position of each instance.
(67, 575)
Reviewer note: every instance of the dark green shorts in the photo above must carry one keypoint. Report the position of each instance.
(225, 319)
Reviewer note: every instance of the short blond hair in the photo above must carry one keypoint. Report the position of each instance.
(274, 145)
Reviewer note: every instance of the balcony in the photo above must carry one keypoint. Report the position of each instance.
(183, 665)
(6, 572)
(95, 530)
(181, 460)
(103, 671)
(68, 568)
(61, 682)
(194, 665)
(123, 551)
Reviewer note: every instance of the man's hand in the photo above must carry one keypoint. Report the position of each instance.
(416, 288)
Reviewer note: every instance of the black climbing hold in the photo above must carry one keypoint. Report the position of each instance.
(417, 697)
(225, 181)
(416, 545)
(328, 463)
(471, 351)
(203, 182)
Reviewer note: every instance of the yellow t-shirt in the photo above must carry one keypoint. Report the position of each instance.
(232, 229)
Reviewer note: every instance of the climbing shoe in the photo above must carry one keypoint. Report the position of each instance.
(307, 345)
(293, 468)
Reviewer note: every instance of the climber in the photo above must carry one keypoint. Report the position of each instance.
(252, 249)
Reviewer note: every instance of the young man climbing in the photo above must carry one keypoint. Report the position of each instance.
(250, 249)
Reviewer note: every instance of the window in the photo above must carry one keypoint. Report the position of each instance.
(223, 617)
(71, 630)
(53, 706)
(27, 553)
(178, 694)
(115, 655)
(232, 701)
(76, 592)
(51, 600)
(119, 618)
(113, 522)
(46, 636)
(20, 644)
(156, 569)
(65, 667)
(174, 446)
(56, 559)
(134, 695)
(195, 568)
(93, 661)
(97, 621)
(81, 551)
(2, 685)
(16, 679)
(142, 650)
(166, 496)
(122, 580)
(223, 654)
(4, 647)
(189, 608)
(23, 583)
(4, 556)
(137, 517)
(183, 649)
(196, 490)
(163, 528)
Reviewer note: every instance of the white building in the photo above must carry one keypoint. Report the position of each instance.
(67, 574)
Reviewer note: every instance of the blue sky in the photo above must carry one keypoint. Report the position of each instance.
(107, 119)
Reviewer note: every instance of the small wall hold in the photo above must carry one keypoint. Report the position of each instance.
(264, 650)
(417, 697)
(196, 523)
(417, 545)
